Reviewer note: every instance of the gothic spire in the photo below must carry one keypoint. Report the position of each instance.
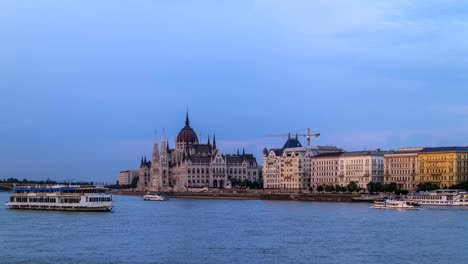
(243, 151)
(155, 138)
(214, 141)
(208, 139)
(187, 122)
(237, 152)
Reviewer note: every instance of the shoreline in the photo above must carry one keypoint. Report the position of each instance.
(253, 195)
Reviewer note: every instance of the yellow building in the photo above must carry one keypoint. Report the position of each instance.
(444, 166)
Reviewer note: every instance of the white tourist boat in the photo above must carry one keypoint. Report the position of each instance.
(154, 197)
(443, 197)
(394, 204)
(61, 197)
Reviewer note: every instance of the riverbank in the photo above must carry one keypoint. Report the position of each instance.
(253, 195)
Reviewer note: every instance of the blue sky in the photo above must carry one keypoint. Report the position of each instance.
(84, 84)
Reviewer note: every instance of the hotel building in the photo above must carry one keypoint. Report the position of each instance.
(444, 166)
(325, 169)
(401, 167)
(361, 167)
(290, 167)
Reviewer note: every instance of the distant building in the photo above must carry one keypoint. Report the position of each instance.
(290, 166)
(361, 167)
(192, 164)
(325, 169)
(126, 176)
(444, 166)
(401, 167)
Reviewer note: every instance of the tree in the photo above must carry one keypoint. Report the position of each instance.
(353, 187)
(135, 182)
(374, 187)
(320, 188)
(391, 187)
(427, 186)
(330, 188)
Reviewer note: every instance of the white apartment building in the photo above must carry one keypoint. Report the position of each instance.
(325, 169)
(361, 167)
(290, 167)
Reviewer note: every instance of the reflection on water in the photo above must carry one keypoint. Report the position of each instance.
(230, 231)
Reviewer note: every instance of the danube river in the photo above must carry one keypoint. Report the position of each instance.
(233, 231)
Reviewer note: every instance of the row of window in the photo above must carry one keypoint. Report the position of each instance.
(99, 199)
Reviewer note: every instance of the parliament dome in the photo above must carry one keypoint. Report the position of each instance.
(187, 134)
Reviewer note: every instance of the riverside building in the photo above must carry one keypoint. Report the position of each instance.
(192, 164)
(361, 167)
(290, 167)
(126, 176)
(325, 169)
(444, 166)
(401, 167)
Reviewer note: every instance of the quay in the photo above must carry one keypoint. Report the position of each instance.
(279, 195)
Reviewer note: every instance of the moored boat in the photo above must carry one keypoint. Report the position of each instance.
(395, 204)
(154, 197)
(442, 197)
(61, 197)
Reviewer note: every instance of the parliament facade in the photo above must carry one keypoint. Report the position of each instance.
(192, 164)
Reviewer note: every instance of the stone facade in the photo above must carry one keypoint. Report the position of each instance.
(401, 168)
(361, 167)
(126, 176)
(290, 167)
(325, 169)
(192, 164)
(444, 166)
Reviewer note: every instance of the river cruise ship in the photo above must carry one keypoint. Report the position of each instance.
(443, 197)
(64, 198)
(394, 204)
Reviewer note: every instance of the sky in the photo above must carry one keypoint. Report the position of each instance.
(85, 84)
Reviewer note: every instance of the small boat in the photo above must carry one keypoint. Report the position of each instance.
(154, 197)
(394, 204)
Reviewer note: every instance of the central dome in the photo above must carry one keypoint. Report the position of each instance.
(187, 134)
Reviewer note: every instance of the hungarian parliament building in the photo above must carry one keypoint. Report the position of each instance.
(192, 164)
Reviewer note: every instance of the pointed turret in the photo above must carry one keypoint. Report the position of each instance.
(141, 163)
(208, 139)
(187, 122)
(163, 142)
(237, 152)
(155, 157)
(243, 151)
(214, 141)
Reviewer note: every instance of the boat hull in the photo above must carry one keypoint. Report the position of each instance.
(61, 208)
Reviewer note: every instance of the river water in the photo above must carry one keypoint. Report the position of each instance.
(233, 231)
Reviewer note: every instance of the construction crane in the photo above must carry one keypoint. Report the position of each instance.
(307, 136)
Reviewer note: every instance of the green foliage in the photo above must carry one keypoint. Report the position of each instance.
(330, 188)
(134, 182)
(320, 188)
(238, 183)
(353, 187)
(391, 187)
(462, 185)
(427, 186)
(401, 192)
(374, 187)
